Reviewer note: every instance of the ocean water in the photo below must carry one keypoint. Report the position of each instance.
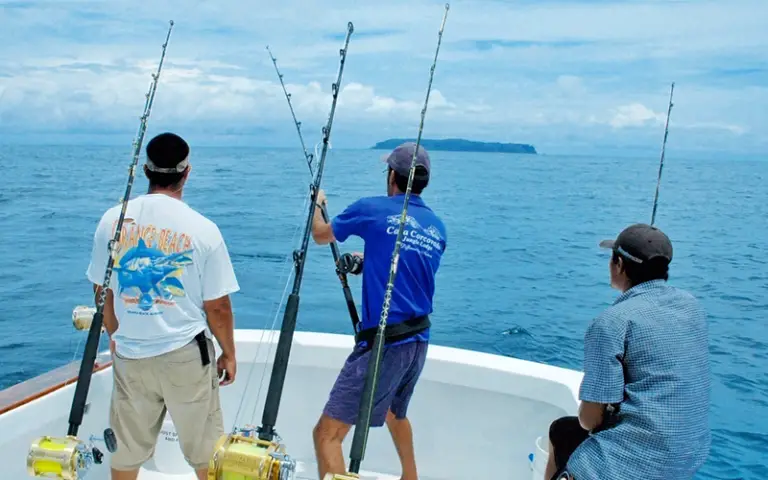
(522, 275)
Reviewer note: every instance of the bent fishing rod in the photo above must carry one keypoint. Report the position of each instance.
(663, 149)
(280, 366)
(92, 344)
(362, 426)
(344, 263)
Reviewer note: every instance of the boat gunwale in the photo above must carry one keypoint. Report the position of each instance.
(29, 390)
(51, 381)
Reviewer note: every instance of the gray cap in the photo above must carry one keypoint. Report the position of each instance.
(400, 158)
(641, 243)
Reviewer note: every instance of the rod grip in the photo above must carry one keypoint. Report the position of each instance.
(279, 368)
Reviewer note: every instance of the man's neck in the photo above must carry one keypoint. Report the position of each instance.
(165, 191)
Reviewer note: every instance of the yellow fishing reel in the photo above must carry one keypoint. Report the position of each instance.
(244, 456)
(66, 458)
(82, 317)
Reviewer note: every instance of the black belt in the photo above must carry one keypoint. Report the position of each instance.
(396, 332)
(202, 344)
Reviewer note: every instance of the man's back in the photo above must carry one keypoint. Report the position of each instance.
(168, 261)
(376, 221)
(663, 430)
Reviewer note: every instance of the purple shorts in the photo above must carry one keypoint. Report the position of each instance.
(400, 368)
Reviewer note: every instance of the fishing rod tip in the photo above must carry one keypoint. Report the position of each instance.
(350, 27)
(447, 6)
(171, 22)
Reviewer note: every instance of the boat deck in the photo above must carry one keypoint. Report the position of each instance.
(303, 472)
(510, 402)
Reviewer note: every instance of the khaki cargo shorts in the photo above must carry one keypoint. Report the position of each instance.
(177, 381)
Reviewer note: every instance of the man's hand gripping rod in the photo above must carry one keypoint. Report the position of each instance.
(69, 458)
(372, 376)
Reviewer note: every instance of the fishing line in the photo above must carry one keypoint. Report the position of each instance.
(341, 270)
(307, 156)
(362, 426)
(663, 149)
(287, 274)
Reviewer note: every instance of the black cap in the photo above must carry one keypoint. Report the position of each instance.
(167, 153)
(641, 243)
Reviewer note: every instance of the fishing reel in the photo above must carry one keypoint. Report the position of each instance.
(66, 458)
(82, 317)
(350, 264)
(244, 456)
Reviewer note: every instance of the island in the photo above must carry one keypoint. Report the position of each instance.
(459, 145)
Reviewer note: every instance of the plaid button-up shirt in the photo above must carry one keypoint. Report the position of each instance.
(649, 352)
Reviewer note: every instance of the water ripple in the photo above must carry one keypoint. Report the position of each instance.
(522, 275)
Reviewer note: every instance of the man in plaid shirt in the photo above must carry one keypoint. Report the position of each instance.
(645, 393)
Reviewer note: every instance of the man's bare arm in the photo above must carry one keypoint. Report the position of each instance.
(591, 415)
(222, 323)
(110, 319)
(322, 233)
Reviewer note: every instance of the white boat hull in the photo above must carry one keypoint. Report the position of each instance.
(474, 415)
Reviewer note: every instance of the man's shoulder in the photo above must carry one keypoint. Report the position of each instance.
(659, 297)
(613, 319)
(374, 200)
(195, 223)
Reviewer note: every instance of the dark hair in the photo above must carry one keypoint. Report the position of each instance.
(420, 180)
(637, 273)
(166, 150)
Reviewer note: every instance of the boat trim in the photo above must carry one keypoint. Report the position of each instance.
(29, 390)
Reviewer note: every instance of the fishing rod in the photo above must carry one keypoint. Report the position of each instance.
(346, 263)
(277, 380)
(47, 450)
(308, 156)
(362, 426)
(262, 456)
(663, 149)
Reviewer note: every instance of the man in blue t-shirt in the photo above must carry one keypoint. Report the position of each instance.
(376, 220)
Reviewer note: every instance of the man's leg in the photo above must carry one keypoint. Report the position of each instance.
(341, 410)
(402, 436)
(191, 392)
(328, 435)
(565, 436)
(413, 357)
(136, 416)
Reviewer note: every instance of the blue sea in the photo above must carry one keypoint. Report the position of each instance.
(522, 275)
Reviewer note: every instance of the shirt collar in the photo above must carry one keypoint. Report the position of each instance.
(644, 287)
(414, 200)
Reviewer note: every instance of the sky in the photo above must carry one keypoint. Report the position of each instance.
(568, 76)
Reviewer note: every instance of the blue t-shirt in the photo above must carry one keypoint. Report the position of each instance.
(376, 221)
(649, 352)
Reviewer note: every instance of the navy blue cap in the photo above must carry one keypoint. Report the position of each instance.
(400, 158)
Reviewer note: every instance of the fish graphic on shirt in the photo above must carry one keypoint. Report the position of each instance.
(150, 274)
(409, 220)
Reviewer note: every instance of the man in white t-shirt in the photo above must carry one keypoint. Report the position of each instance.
(169, 291)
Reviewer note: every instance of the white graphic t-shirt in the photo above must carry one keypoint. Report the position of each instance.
(169, 260)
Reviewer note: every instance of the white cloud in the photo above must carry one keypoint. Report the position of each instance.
(635, 115)
(596, 69)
